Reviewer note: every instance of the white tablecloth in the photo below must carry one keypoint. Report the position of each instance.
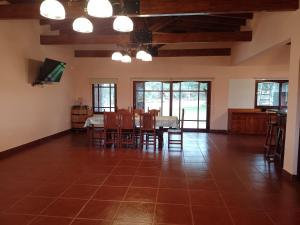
(161, 121)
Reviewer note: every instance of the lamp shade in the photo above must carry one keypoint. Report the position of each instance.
(123, 24)
(117, 56)
(99, 8)
(140, 54)
(147, 57)
(52, 9)
(82, 25)
(126, 59)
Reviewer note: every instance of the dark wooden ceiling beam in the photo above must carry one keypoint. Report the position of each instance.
(157, 38)
(161, 53)
(160, 7)
(214, 6)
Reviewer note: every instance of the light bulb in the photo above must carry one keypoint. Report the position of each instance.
(147, 57)
(82, 25)
(99, 8)
(126, 59)
(117, 56)
(140, 54)
(52, 9)
(123, 24)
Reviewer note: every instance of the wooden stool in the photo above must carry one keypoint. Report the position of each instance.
(270, 143)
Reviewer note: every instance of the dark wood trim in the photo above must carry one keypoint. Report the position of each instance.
(208, 105)
(216, 131)
(279, 96)
(159, 7)
(157, 38)
(161, 53)
(28, 146)
(288, 176)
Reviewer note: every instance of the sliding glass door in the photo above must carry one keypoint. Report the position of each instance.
(171, 97)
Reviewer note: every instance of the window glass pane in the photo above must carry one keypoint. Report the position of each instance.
(189, 86)
(284, 94)
(152, 100)
(139, 86)
(190, 124)
(176, 86)
(202, 125)
(202, 105)
(203, 86)
(139, 98)
(166, 104)
(268, 94)
(175, 104)
(104, 97)
(112, 97)
(153, 86)
(189, 101)
(166, 86)
(95, 96)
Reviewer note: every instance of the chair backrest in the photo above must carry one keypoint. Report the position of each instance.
(147, 121)
(110, 120)
(182, 119)
(123, 111)
(271, 117)
(137, 111)
(156, 112)
(126, 120)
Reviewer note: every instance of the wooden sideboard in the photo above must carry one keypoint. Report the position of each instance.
(247, 121)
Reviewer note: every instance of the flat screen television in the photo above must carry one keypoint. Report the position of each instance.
(50, 72)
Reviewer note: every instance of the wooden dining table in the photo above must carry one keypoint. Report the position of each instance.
(161, 123)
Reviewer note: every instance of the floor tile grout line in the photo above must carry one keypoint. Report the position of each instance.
(124, 196)
(224, 203)
(92, 196)
(30, 195)
(156, 199)
(190, 202)
(55, 199)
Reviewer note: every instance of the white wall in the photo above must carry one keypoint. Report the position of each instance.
(218, 69)
(29, 113)
(241, 93)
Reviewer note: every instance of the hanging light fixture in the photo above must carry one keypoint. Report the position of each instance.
(99, 8)
(140, 54)
(123, 24)
(82, 25)
(126, 59)
(117, 56)
(52, 9)
(147, 57)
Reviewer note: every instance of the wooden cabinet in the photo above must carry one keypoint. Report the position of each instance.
(79, 114)
(247, 121)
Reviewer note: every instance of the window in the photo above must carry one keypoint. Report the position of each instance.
(104, 97)
(172, 96)
(271, 94)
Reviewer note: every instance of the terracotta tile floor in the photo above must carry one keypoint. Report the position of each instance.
(216, 180)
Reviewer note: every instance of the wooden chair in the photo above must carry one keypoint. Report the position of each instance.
(97, 135)
(176, 133)
(137, 111)
(126, 128)
(123, 111)
(111, 129)
(147, 129)
(156, 112)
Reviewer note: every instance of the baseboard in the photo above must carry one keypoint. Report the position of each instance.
(218, 131)
(289, 177)
(12, 151)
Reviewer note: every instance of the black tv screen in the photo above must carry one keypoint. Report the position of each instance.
(50, 71)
